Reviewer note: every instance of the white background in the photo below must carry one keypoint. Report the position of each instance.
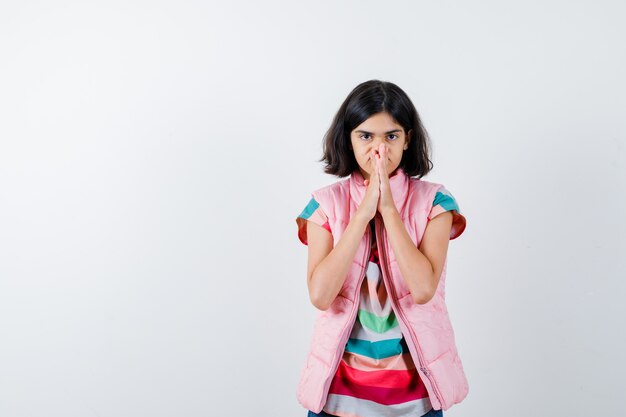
(154, 157)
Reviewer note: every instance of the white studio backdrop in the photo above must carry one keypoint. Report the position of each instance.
(154, 156)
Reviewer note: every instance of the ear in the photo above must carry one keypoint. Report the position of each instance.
(409, 136)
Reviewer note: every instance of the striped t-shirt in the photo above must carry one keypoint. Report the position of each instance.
(376, 375)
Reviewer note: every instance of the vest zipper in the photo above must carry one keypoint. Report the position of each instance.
(348, 327)
(400, 312)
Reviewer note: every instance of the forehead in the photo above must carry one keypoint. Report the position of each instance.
(379, 123)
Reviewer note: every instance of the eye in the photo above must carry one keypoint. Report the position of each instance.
(362, 136)
(394, 137)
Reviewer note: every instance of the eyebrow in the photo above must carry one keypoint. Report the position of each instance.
(386, 133)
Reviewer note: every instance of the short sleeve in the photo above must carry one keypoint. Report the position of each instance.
(445, 201)
(314, 213)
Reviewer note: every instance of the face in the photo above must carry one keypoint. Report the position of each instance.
(367, 137)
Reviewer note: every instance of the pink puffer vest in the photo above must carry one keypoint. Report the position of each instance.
(426, 327)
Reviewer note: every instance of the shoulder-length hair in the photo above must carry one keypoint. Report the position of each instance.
(365, 100)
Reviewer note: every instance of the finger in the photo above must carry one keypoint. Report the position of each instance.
(383, 163)
(380, 165)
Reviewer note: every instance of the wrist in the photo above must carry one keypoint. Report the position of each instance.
(387, 212)
(360, 218)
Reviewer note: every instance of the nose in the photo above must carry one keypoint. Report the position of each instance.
(376, 144)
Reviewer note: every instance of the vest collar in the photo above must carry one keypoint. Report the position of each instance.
(399, 183)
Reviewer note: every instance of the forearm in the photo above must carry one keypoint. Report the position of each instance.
(414, 266)
(330, 275)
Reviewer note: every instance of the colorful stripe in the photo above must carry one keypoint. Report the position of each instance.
(365, 363)
(383, 379)
(411, 389)
(377, 324)
(445, 201)
(377, 350)
(348, 406)
(314, 213)
(361, 332)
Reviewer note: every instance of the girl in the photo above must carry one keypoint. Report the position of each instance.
(383, 344)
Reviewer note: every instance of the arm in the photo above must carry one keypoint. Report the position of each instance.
(327, 266)
(421, 267)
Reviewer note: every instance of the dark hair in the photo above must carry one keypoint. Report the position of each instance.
(365, 100)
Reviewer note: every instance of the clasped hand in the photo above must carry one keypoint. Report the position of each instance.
(378, 194)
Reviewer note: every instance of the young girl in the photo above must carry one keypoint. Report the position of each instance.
(383, 344)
